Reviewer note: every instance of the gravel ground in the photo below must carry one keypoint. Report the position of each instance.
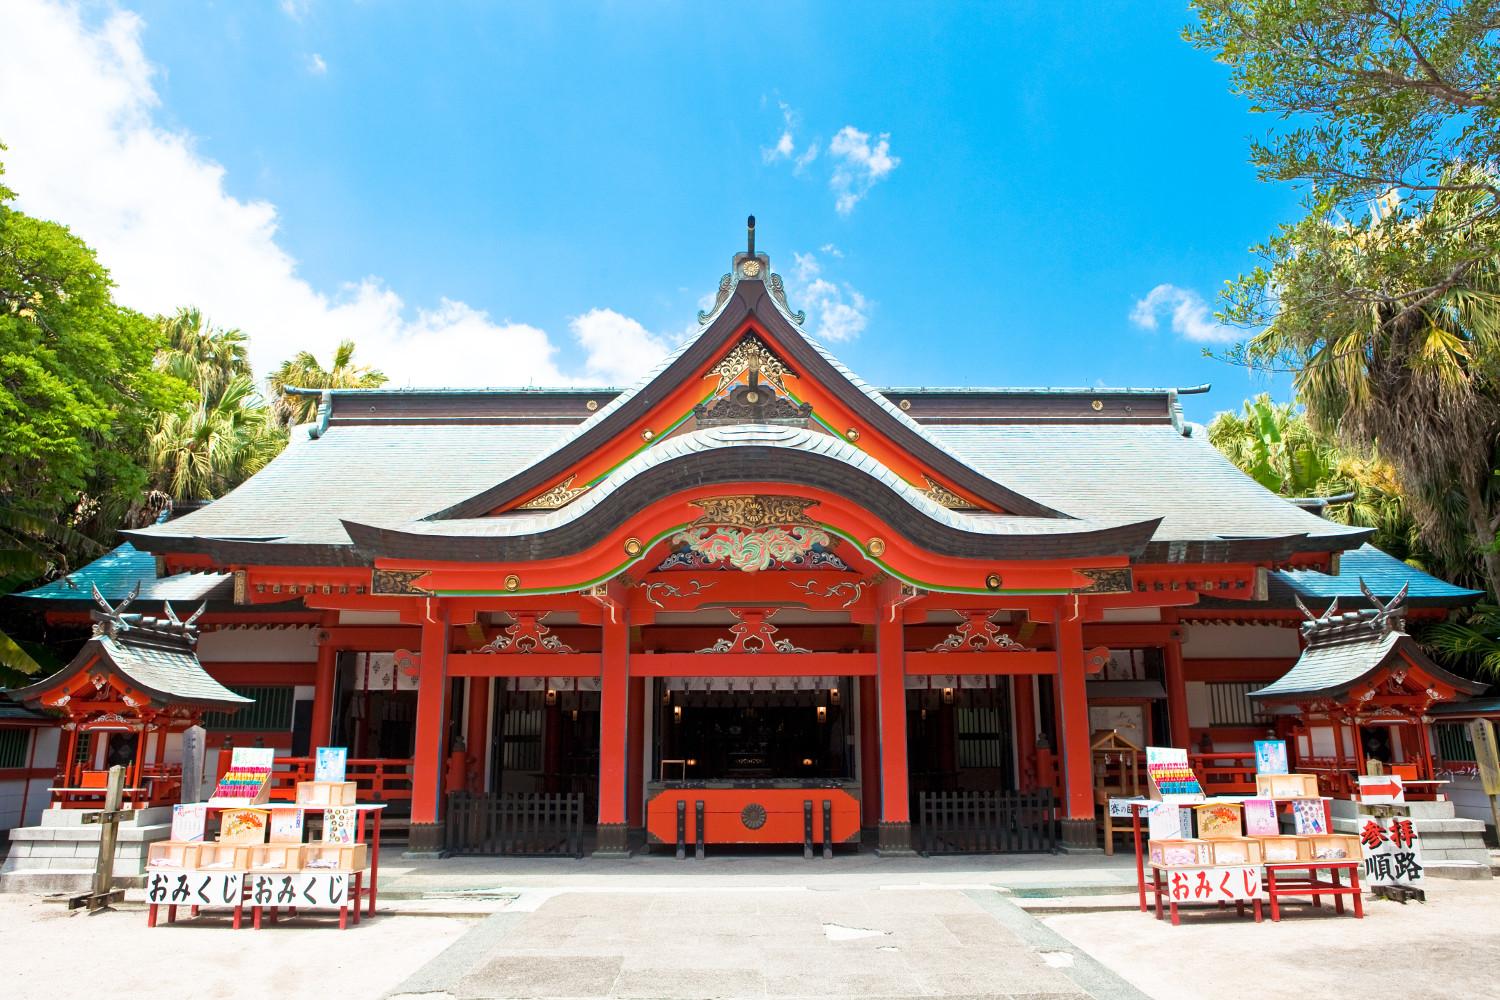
(50, 952)
(1447, 947)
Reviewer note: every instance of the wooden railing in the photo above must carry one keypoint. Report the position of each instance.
(987, 822)
(1224, 773)
(379, 779)
(541, 825)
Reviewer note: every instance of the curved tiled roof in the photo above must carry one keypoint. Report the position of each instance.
(786, 453)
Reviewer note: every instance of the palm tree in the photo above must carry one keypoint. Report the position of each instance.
(202, 355)
(304, 372)
(1408, 368)
(208, 448)
(1275, 446)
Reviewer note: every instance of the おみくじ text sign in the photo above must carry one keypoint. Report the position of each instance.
(1234, 883)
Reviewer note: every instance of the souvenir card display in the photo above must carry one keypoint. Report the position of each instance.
(1280, 849)
(1180, 851)
(1171, 778)
(1218, 819)
(248, 780)
(243, 826)
(286, 826)
(1261, 819)
(1270, 757)
(189, 820)
(326, 793)
(331, 764)
(338, 825)
(1236, 851)
(1309, 817)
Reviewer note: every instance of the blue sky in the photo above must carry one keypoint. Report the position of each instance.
(502, 194)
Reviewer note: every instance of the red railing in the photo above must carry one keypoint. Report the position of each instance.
(379, 779)
(1225, 773)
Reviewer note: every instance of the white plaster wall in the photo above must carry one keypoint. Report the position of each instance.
(1132, 614)
(372, 618)
(1200, 709)
(291, 645)
(1238, 642)
(42, 753)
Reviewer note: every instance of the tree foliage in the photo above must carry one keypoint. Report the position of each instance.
(78, 396)
(1384, 299)
(304, 371)
(225, 433)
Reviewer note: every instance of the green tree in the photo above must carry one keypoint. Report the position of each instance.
(225, 433)
(305, 372)
(78, 394)
(1384, 300)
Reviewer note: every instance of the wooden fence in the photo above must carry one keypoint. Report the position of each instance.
(987, 822)
(540, 825)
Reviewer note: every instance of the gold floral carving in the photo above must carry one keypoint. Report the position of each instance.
(1107, 581)
(751, 355)
(753, 511)
(398, 581)
(942, 495)
(558, 496)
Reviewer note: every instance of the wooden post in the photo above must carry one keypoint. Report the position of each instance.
(102, 894)
(614, 732)
(890, 667)
(1023, 698)
(869, 750)
(1177, 709)
(1073, 732)
(323, 683)
(426, 834)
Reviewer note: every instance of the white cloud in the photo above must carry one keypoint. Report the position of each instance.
(296, 9)
(804, 160)
(859, 165)
(1190, 315)
(786, 144)
(315, 65)
(77, 109)
(834, 311)
(619, 349)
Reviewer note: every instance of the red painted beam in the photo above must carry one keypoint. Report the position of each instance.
(753, 665)
(524, 665)
(992, 664)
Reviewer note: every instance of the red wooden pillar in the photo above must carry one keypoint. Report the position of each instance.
(635, 801)
(323, 680)
(869, 750)
(1073, 731)
(890, 678)
(1177, 710)
(477, 732)
(427, 760)
(1022, 698)
(614, 734)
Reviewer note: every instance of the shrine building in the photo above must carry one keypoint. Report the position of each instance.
(752, 598)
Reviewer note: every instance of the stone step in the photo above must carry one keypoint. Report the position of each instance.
(52, 882)
(1457, 869)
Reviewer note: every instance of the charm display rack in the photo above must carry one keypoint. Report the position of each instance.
(1225, 864)
(280, 874)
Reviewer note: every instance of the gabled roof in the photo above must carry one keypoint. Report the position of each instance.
(125, 570)
(1346, 652)
(749, 291)
(1383, 574)
(154, 657)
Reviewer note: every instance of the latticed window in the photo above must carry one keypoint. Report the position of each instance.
(980, 732)
(1453, 742)
(1230, 704)
(270, 711)
(13, 744)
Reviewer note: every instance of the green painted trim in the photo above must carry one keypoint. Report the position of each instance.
(646, 444)
(821, 422)
(939, 588)
(569, 588)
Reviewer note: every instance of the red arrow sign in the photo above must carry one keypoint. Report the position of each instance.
(1389, 788)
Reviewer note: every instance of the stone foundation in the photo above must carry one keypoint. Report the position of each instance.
(59, 854)
(613, 841)
(895, 840)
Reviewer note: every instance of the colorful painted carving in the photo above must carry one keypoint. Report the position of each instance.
(752, 551)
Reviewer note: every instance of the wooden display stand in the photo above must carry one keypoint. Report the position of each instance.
(1286, 786)
(1117, 774)
(273, 877)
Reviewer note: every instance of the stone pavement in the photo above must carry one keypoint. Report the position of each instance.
(786, 943)
(1021, 874)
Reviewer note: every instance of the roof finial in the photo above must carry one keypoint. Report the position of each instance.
(750, 235)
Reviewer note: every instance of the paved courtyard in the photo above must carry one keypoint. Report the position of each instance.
(745, 928)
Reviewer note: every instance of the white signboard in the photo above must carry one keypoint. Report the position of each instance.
(173, 887)
(1213, 885)
(188, 821)
(1391, 849)
(303, 890)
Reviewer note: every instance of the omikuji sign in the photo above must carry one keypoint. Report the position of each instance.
(300, 889)
(1214, 885)
(194, 888)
